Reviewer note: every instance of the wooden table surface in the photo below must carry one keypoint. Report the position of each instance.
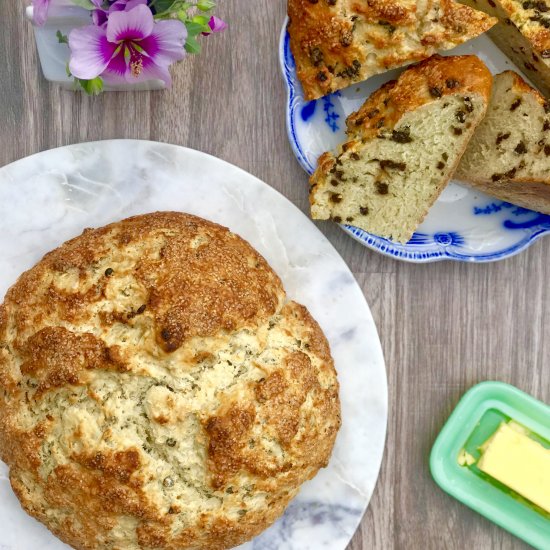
(444, 326)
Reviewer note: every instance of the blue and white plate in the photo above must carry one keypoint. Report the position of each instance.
(464, 224)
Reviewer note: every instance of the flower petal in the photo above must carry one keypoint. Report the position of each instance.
(126, 5)
(90, 51)
(99, 17)
(116, 71)
(154, 72)
(119, 70)
(148, 70)
(217, 24)
(40, 11)
(131, 4)
(135, 24)
(166, 43)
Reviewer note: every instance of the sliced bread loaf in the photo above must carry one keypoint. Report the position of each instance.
(523, 35)
(340, 42)
(509, 155)
(404, 144)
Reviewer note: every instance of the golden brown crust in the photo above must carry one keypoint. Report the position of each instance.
(338, 43)
(521, 87)
(56, 357)
(426, 82)
(120, 437)
(196, 280)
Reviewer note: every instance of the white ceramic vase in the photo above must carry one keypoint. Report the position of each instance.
(64, 16)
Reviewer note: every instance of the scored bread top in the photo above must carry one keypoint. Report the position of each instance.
(158, 390)
(340, 42)
(428, 81)
(179, 269)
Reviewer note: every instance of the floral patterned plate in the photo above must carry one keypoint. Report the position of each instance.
(463, 225)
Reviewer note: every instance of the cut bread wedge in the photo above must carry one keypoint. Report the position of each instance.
(404, 144)
(509, 155)
(337, 43)
(523, 35)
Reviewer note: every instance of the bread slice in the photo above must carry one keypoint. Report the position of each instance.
(404, 144)
(340, 42)
(523, 35)
(509, 155)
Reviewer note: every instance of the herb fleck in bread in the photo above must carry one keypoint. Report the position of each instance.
(523, 35)
(340, 42)
(158, 391)
(404, 144)
(509, 155)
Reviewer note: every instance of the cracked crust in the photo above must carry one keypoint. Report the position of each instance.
(158, 390)
(337, 43)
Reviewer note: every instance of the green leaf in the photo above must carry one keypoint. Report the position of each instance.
(68, 71)
(200, 20)
(206, 5)
(86, 4)
(192, 45)
(194, 29)
(164, 5)
(91, 87)
(61, 38)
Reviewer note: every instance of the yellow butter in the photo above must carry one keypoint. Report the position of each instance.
(465, 458)
(519, 462)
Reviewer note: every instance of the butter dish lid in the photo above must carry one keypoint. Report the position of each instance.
(476, 418)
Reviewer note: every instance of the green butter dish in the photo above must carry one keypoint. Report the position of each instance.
(457, 450)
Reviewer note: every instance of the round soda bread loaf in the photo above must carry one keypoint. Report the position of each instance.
(158, 391)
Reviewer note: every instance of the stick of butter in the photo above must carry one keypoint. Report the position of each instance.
(519, 462)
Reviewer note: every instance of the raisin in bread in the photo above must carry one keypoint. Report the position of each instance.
(509, 155)
(403, 146)
(523, 35)
(340, 42)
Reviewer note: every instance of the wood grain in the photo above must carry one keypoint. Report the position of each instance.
(443, 326)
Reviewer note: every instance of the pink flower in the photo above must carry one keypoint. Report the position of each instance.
(216, 24)
(99, 17)
(40, 11)
(131, 47)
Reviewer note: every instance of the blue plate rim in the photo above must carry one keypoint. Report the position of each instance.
(379, 244)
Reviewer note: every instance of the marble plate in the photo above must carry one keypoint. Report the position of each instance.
(464, 224)
(52, 196)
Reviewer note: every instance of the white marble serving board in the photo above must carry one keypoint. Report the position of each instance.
(52, 196)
